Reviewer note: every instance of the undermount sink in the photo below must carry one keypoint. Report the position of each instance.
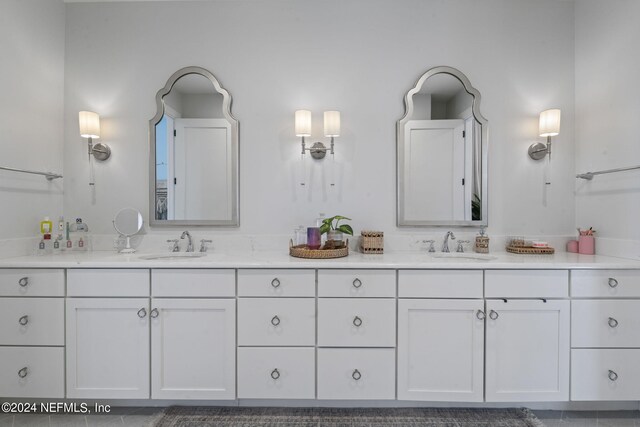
(462, 255)
(174, 255)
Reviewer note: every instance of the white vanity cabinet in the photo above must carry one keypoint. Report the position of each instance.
(440, 335)
(193, 340)
(527, 350)
(32, 333)
(107, 335)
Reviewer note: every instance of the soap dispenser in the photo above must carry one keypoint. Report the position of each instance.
(482, 242)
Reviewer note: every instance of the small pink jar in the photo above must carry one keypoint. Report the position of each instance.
(587, 245)
(572, 246)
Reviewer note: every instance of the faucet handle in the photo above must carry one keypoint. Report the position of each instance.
(460, 245)
(203, 244)
(175, 247)
(431, 243)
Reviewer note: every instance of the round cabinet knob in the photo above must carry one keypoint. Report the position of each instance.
(275, 320)
(275, 374)
(493, 315)
(275, 283)
(154, 313)
(357, 283)
(24, 281)
(481, 315)
(612, 375)
(613, 282)
(142, 313)
(24, 372)
(613, 322)
(23, 320)
(356, 375)
(357, 322)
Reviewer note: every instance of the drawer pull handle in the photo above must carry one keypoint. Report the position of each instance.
(612, 375)
(613, 282)
(481, 315)
(357, 322)
(24, 372)
(275, 374)
(493, 315)
(142, 313)
(613, 322)
(275, 283)
(24, 281)
(356, 375)
(275, 320)
(154, 313)
(357, 283)
(23, 320)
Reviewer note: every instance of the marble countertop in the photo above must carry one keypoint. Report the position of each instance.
(392, 260)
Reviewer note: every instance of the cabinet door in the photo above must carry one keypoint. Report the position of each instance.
(108, 348)
(193, 348)
(440, 350)
(527, 351)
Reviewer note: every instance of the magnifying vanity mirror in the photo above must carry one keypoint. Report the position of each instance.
(194, 153)
(442, 153)
(128, 222)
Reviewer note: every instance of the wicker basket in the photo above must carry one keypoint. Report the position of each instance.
(303, 251)
(372, 242)
(530, 250)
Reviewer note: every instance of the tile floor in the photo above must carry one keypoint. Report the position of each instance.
(143, 417)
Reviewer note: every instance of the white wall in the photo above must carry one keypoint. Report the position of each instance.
(608, 111)
(357, 56)
(31, 113)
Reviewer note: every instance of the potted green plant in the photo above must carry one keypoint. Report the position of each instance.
(334, 230)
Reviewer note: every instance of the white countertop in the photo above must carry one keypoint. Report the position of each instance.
(393, 260)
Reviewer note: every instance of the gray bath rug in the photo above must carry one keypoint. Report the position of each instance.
(345, 417)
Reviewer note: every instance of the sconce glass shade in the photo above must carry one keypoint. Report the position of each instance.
(89, 124)
(550, 122)
(303, 123)
(332, 123)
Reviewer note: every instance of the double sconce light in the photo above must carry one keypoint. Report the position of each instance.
(331, 129)
(549, 126)
(90, 129)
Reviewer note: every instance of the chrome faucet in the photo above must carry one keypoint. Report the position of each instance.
(190, 245)
(445, 244)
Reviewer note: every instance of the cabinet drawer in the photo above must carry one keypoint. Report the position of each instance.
(31, 321)
(605, 323)
(350, 322)
(276, 373)
(107, 283)
(356, 373)
(526, 283)
(357, 283)
(605, 374)
(34, 283)
(605, 283)
(276, 283)
(440, 284)
(193, 283)
(269, 321)
(32, 372)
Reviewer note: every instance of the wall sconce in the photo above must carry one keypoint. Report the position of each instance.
(90, 128)
(331, 129)
(549, 126)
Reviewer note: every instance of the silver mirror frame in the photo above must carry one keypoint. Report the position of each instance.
(235, 142)
(475, 108)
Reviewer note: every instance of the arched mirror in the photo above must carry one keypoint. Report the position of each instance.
(442, 153)
(194, 153)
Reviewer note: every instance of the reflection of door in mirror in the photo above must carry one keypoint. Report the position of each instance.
(193, 154)
(440, 147)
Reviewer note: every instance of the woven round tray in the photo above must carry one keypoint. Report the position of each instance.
(303, 251)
